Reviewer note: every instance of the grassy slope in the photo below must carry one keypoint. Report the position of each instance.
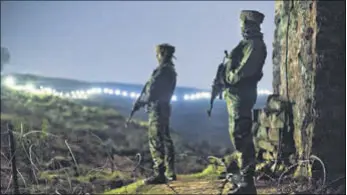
(94, 134)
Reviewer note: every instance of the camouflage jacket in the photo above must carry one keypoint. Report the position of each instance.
(162, 83)
(246, 62)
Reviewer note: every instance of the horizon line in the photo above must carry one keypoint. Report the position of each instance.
(261, 90)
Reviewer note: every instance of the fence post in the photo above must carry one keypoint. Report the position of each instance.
(12, 145)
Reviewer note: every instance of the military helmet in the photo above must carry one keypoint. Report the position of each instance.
(252, 15)
(165, 48)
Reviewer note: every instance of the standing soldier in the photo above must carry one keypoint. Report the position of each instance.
(243, 70)
(158, 92)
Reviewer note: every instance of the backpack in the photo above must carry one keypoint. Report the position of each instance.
(273, 130)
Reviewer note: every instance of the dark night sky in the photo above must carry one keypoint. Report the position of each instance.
(114, 40)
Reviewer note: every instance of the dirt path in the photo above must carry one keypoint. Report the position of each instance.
(186, 185)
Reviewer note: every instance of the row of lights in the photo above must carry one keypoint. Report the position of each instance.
(10, 81)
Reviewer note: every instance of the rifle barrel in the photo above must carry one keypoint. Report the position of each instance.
(216, 88)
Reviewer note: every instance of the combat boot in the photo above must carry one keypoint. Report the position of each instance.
(170, 171)
(156, 179)
(171, 177)
(222, 175)
(250, 189)
(242, 185)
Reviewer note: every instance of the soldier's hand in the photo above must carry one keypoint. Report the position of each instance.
(137, 105)
(147, 109)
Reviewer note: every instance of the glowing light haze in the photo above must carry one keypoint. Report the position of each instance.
(10, 82)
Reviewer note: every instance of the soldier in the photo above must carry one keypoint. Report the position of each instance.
(243, 70)
(158, 92)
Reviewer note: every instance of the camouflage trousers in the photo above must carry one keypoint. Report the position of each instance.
(240, 103)
(160, 143)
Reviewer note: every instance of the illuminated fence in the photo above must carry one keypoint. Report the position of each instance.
(10, 82)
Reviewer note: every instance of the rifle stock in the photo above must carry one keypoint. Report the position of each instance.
(135, 108)
(217, 86)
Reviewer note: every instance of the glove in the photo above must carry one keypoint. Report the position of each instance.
(147, 108)
(137, 105)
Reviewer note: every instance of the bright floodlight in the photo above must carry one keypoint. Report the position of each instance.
(117, 92)
(264, 92)
(29, 87)
(206, 94)
(9, 81)
(174, 98)
(132, 94)
(124, 93)
(193, 97)
(98, 90)
(106, 90)
(49, 90)
(89, 91)
(186, 97)
(198, 95)
(94, 90)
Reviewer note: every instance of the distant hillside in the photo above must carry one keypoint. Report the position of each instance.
(189, 118)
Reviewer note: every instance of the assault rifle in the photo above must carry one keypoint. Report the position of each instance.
(217, 86)
(137, 105)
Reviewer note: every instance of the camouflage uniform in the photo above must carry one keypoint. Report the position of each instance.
(242, 73)
(159, 90)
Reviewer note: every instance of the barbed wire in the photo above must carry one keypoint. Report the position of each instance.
(137, 164)
(34, 167)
